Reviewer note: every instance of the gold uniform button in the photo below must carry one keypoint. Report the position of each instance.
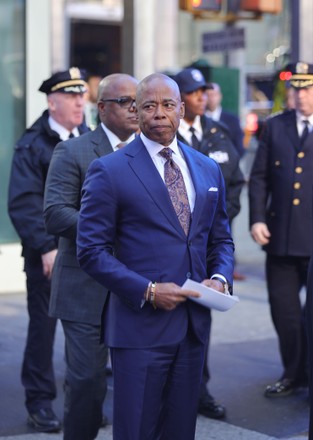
(296, 202)
(298, 170)
(301, 155)
(297, 185)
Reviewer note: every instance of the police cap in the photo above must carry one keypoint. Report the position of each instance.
(302, 75)
(69, 81)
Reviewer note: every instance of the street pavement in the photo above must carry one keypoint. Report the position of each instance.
(244, 358)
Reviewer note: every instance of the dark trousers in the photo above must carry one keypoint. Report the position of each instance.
(85, 382)
(285, 278)
(206, 371)
(309, 320)
(37, 370)
(156, 391)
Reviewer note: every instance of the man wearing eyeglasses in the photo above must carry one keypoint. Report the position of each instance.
(76, 298)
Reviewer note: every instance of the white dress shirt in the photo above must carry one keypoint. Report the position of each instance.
(62, 131)
(115, 140)
(184, 129)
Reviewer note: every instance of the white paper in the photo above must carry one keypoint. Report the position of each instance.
(211, 298)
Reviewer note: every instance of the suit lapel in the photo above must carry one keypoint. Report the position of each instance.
(194, 165)
(101, 142)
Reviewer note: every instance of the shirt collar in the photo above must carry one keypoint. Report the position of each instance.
(301, 118)
(113, 139)
(62, 131)
(154, 147)
(184, 126)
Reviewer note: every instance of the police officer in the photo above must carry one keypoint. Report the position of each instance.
(280, 194)
(33, 151)
(212, 139)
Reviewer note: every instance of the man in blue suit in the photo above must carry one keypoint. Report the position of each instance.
(131, 240)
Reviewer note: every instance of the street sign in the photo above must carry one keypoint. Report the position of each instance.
(221, 41)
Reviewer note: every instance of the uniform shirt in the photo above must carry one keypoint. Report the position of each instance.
(300, 124)
(184, 129)
(62, 131)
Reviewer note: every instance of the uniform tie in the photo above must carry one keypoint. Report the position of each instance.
(194, 140)
(305, 131)
(177, 190)
(71, 135)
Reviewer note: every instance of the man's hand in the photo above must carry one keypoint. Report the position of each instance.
(48, 262)
(214, 284)
(260, 233)
(169, 295)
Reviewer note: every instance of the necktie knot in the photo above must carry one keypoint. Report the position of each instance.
(70, 136)
(166, 153)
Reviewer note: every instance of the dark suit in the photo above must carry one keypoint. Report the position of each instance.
(309, 321)
(235, 132)
(129, 235)
(76, 298)
(280, 194)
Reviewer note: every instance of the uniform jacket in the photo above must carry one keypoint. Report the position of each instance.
(30, 165)
(280, 187)
(217, 145)
(235, 132)
(74, 295)
(129, 235)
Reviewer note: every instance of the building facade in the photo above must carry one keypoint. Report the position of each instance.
(138, 37)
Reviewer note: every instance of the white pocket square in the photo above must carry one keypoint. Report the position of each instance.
(213, 188)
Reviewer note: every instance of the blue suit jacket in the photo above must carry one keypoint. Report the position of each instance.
(129, 234)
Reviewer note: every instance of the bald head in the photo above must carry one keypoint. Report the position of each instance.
(110, 82)
(159, 108)
(116, 98)
(152, 82)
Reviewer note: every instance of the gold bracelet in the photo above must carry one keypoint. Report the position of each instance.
(152, 294)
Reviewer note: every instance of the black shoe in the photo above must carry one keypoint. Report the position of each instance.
(208, 407)
(282, 388)
(44, 420)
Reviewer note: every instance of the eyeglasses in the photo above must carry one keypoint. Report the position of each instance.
(126, 102)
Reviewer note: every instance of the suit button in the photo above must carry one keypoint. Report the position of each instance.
(301, 155)
(188, 275)
(298, 170)
(277, 163)
(297, 185)
(296, 202)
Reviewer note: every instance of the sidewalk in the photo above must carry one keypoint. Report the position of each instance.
(244, 358)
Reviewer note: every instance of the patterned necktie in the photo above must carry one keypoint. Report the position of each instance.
(305, 132)
(177, 190)
(194, 140)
